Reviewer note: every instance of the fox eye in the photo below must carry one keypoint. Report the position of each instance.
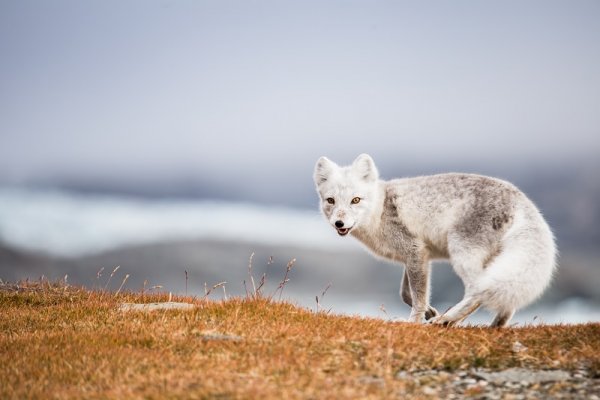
(330, 200)
(355, 200)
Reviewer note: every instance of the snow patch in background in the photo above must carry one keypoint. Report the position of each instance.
(69, 224)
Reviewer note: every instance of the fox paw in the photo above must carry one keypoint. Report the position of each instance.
(417, 317)
(441, 320)
(431, 313)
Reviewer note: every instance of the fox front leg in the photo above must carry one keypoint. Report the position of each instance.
(407, 298)
(418, 282)
(405, 289)
(417, 271)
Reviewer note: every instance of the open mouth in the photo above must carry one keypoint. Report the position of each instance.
(343, 231)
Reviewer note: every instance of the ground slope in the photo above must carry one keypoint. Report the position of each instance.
(65, 342)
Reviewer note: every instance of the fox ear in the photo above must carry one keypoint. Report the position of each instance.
(365, 167)
(323, 169)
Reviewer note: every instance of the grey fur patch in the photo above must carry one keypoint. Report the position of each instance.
(501, 220)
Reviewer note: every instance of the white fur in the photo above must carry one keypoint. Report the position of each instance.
(494, 236)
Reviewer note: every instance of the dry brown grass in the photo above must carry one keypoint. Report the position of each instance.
(65, 342)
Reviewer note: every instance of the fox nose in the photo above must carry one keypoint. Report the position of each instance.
(339, 224)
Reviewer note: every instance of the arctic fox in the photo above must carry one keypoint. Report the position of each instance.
(494, 236)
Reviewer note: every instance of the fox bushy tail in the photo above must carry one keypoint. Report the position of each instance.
(524, 267)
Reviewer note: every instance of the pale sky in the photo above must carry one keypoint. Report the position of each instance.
(155, 88)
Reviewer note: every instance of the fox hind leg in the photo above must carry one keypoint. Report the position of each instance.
(458, 313)
(502, 319)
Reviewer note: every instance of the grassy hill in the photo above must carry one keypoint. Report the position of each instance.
(65, 342)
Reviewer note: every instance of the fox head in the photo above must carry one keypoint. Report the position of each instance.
(348, 194)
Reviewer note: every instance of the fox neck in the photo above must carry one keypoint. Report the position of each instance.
(372, 221)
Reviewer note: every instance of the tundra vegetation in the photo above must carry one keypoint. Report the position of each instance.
(61, 341)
